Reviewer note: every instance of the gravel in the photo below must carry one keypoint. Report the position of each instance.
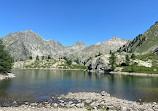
(83, 101)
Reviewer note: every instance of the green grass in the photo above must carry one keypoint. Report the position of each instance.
(151, 40)
(49, 63)
(147, 57)
(65, 66)
(141, 69)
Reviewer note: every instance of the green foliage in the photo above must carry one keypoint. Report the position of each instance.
(89, 59)
(21, 59)
(30, 57)
(68, 61)
(132, 56)
(49, 57)
(127, 60)
(89, 109)
(65, 66)
(112, 61)
(143, 42)
(5, 59)
(98, 54)
(77, 61)
(110, 52)
(51, 62)
(42, 57)
(147, 56)
(142, 69)
(37, 58)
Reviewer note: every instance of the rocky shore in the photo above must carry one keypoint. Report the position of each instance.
(7, 76)
(83, 101)
(135, 74)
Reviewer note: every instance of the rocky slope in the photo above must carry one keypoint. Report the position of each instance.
(22, 45)
(102, 48)
(144, 43)
(145, 49)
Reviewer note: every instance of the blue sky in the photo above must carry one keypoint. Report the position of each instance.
(68, 21)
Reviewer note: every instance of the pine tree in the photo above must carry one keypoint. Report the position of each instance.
(49, 57)
(6, 61)
(112, 61)
(127, 60)
(30, 57)
(133, 56)
(37, 58)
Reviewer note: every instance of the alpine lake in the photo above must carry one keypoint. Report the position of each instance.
(35, 85)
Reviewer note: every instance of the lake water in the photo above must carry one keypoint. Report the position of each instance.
(36, 85)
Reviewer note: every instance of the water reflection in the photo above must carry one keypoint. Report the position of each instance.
(4, 85)
(34, 85)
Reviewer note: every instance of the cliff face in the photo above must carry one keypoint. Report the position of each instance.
(23, 44)
(100, 48)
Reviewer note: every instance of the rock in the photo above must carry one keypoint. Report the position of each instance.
(55, 105)
(26, 103)
(123, 108)
(33, 104)
(7, 76)
(103, 93)
(80, 105)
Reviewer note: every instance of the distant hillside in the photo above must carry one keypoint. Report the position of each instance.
(22, 45)
(100, 48)
(144, 43)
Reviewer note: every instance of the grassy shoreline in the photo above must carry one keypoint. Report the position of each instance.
(49, 68)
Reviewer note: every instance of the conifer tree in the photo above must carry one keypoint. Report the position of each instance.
(37, 58)
(6, 61)
(112, 61)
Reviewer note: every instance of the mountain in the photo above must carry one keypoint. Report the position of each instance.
(77, 47)
(21, 45)
(144, 43)
(103, 48)
(27, 43)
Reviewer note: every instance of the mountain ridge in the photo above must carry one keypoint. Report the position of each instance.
(143, 43)
(27, 43)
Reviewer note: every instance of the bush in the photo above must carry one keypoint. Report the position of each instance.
(68, 61)
(37, 58)
(49, 57)
(30, 57)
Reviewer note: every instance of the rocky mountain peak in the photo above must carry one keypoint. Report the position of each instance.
(80, 43)
(59, 44)
(115, 38)
(27, 43)
(25, 32)
(28, 31)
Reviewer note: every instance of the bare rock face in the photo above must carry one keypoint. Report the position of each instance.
(77, 47)
(27, 43)
(103, 48)
(23, 44)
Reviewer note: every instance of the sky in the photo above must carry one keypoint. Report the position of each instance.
(69, 21)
